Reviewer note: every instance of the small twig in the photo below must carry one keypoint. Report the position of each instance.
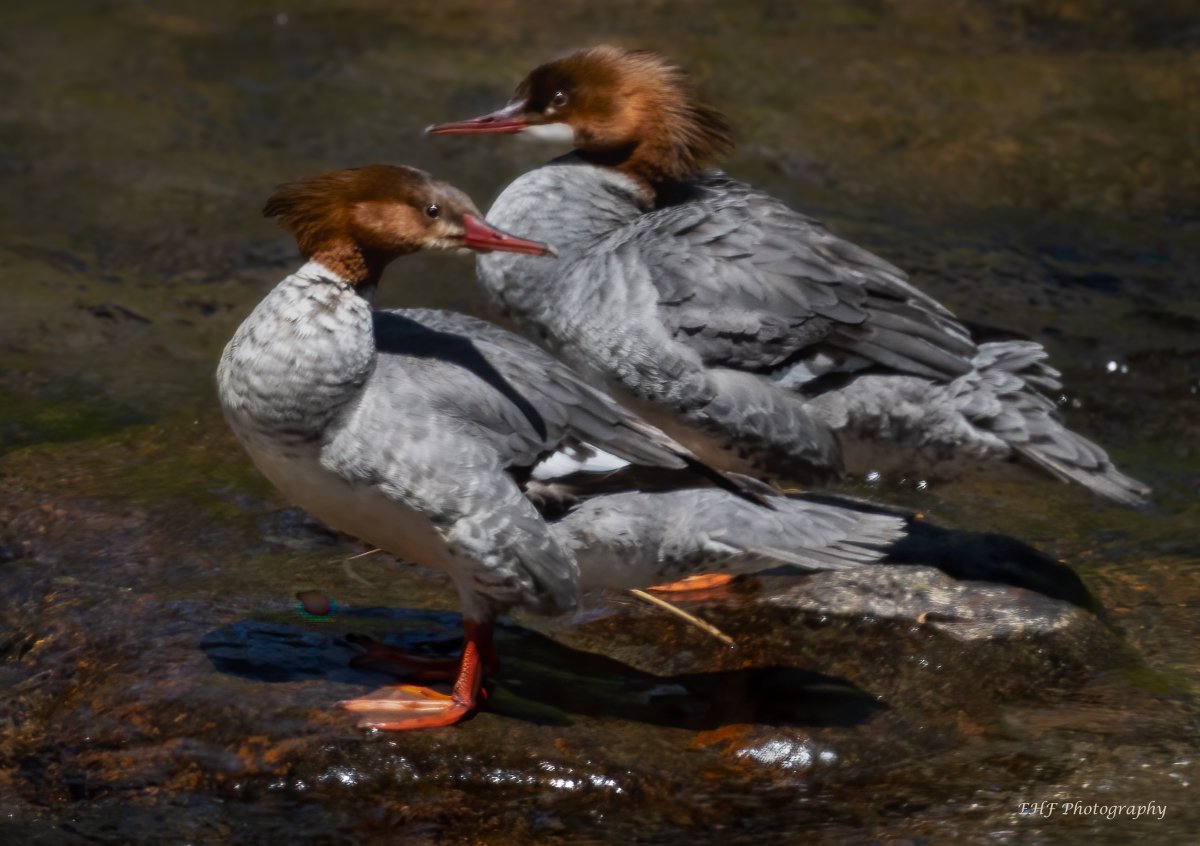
(364, 554)
(706, 627)
(351, 572)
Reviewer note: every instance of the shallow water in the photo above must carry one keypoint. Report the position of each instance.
(1034, 165)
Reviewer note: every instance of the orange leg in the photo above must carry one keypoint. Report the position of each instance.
(405, 706)
(706, 581)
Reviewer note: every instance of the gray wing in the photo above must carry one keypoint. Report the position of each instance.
(751, 284)
(738, 410)
(452, 407)
(501, 552)
(512, 394)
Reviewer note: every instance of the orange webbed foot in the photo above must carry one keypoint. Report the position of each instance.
(706, 581)
(405, 706)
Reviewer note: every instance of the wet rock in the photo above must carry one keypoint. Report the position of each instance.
(208, 685)
(922, 596)
(910, 636)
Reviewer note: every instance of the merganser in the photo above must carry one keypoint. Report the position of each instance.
(434, 436)
(739, 326)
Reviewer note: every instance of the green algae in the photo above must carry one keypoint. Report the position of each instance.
(29, 420)
(1161, 682)
(145, 465)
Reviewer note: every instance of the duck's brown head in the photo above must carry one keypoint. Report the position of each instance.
(630, 109)
(356, 221)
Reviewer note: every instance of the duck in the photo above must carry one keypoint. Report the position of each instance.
(739, 326)
(453, 443)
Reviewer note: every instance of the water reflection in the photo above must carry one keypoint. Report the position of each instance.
(544, 682)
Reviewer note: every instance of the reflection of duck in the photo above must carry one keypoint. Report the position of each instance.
(429, 435)
(548, 682)
(742, 328)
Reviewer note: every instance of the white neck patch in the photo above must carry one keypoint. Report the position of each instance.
(557, 133)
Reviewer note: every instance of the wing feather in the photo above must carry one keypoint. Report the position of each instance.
(749, 283)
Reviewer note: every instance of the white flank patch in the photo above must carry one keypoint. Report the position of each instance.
(563, 463)
(804, 371)
(555, 133)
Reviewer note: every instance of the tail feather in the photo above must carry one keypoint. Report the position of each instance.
(634, 539)
(1016, 372)
(1104, 478)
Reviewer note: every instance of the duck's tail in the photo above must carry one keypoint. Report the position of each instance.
(1008, 398)
(635, 539)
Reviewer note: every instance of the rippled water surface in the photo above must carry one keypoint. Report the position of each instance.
(1034, 165)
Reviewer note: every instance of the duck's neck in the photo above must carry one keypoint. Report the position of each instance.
(654, 166)
(664, 137)
(300, 358)
(350, 263)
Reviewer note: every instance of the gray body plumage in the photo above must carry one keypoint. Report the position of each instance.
(767, 345)
(412, 430)
(630, 540)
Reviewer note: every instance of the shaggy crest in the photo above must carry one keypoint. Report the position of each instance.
(320, 209)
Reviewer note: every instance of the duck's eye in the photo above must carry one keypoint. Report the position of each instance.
(432, 211)
(558, 100)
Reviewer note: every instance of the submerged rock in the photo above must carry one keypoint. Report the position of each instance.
(926, 597)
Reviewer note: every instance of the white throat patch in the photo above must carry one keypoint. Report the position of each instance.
(557, 133)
